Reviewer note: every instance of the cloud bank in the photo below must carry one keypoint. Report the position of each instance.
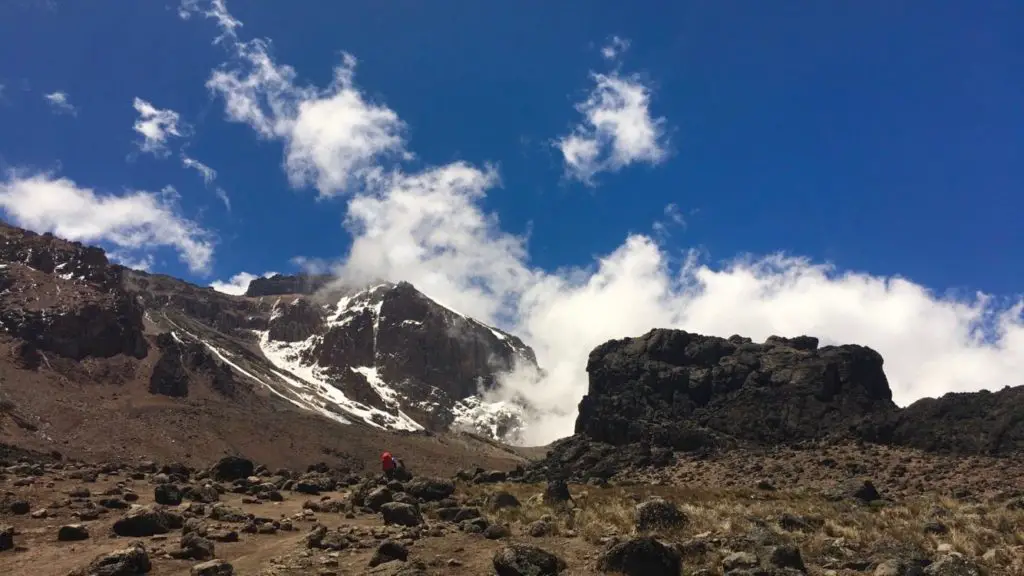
(429, 228)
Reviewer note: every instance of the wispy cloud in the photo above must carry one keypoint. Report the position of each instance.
(615, 47)
(334, 138)
(60, 103)
(673, 219)
(209, 176)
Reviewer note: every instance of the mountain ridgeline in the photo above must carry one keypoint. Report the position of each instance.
(296, 350)
(100, 359)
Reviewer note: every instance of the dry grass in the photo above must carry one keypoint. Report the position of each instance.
(734, 520)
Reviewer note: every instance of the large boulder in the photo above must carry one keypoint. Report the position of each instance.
(231, 468)
(129, 561)
(401, 514)
(430, 489)
(142, 521)
(523, 560)
(644, 556)
(658, 514)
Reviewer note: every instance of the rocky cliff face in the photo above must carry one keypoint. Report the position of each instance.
(182, 363)
(671, 391)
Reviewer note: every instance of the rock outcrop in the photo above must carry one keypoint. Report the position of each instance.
(672, 388)
(279, 284)
(963, 423)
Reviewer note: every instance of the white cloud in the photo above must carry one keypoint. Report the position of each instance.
(313, 265)
(238, 283)
(429, 228)
(617, 127)
(156, 126)
(334, 138)
(60, 103)
(615, 47)
(132, 223)
(217, 10)
(209, 176)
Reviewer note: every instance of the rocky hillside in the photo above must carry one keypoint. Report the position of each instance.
(96, 358)
(671, 391)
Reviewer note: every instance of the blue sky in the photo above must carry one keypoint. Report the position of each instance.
(883, 139)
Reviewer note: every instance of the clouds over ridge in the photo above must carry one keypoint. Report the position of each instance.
(429, 228)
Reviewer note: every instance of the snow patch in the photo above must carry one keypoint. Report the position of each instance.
(500, 420)
(304, 401)
(286, 358)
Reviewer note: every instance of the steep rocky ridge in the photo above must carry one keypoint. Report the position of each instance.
(97, 359)
(671, 391)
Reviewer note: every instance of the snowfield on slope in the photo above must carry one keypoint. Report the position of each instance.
(286, 357)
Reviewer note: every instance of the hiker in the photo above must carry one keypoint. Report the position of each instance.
(388, 464)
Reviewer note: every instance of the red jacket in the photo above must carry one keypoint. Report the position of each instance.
(387, 462)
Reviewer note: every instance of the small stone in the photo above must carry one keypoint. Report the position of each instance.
(216, 567)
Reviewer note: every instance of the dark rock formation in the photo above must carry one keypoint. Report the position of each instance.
(279, 284)
(524, 560)
(667, 386)
(670, 390)
(958, 423)
(641, 556)
(231, 468)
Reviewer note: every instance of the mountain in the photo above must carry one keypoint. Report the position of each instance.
(100, 359)
(671, 391)
(391, 356)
